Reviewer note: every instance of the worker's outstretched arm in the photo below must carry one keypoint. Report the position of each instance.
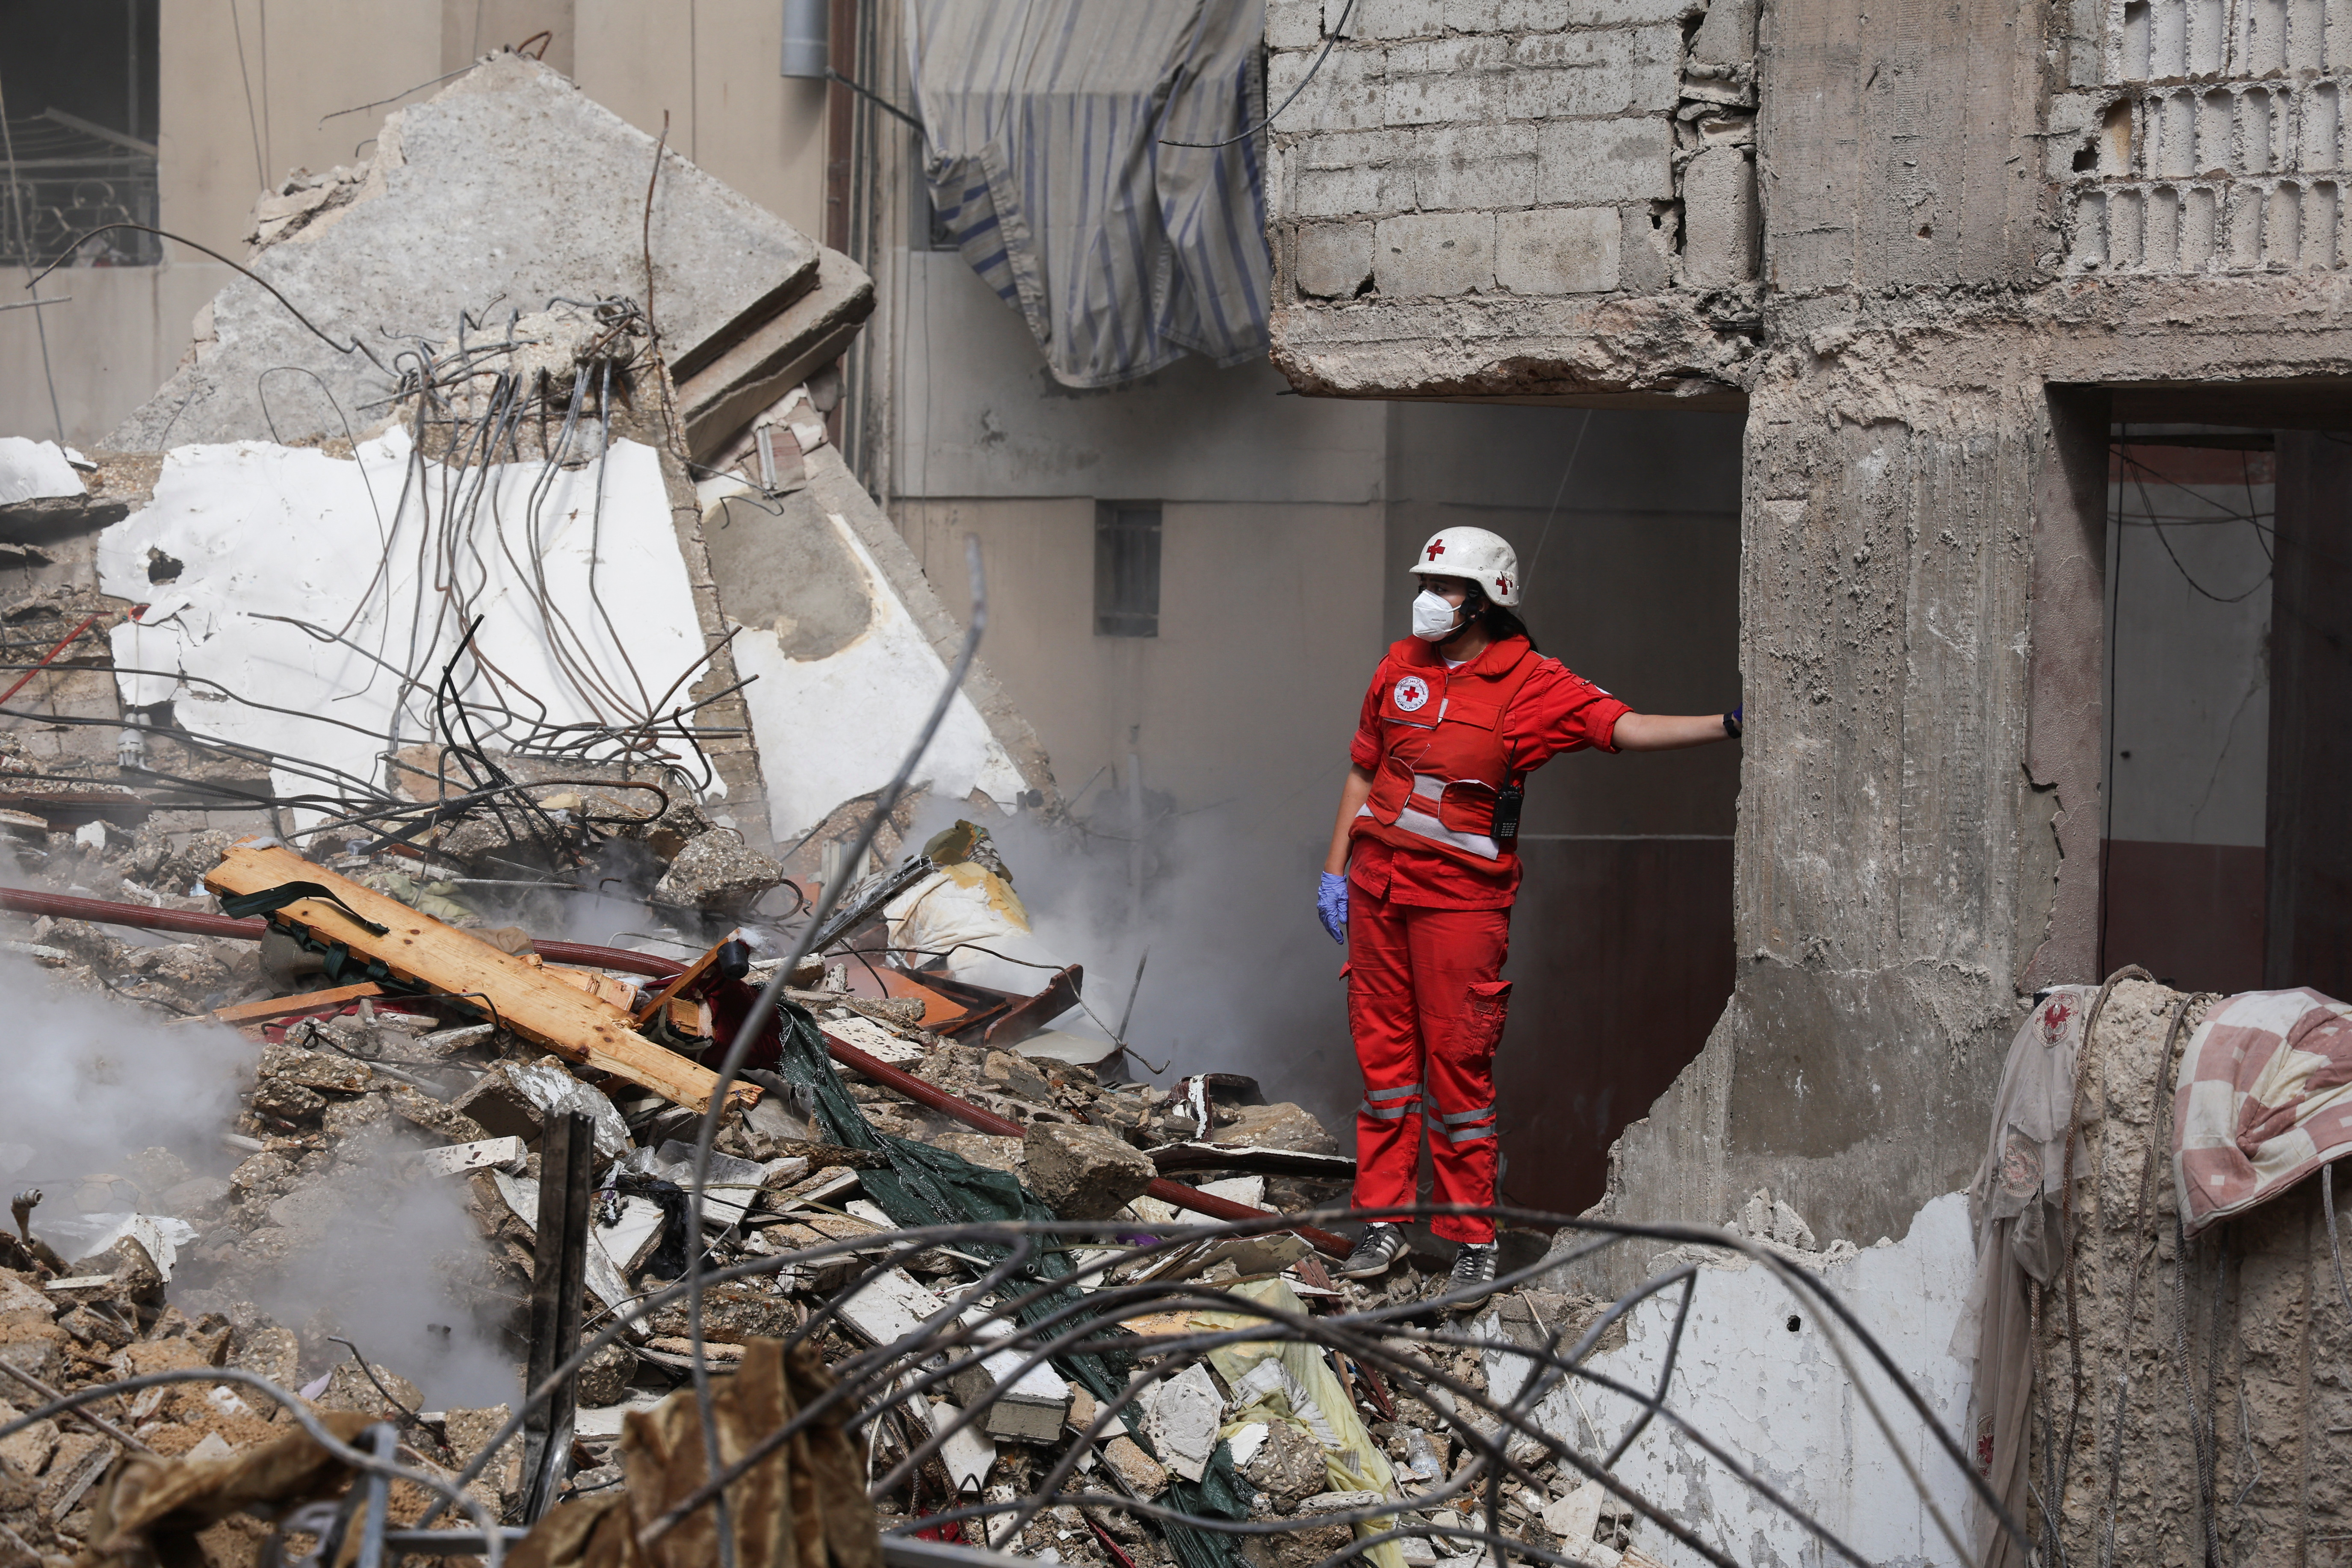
(1668, 732)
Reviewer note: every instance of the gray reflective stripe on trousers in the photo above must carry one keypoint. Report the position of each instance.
(1410, 1093)
(1453, 1132)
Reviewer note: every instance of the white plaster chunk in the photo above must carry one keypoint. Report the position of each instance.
(1779, 1398)
(887, 676)
(264, 530)
(631, 1239)
(969, 1455)
(1720, 221)
(1571, 250)
(891, 1306)
(482, 1154)
(34, 470)
(1182, 1420)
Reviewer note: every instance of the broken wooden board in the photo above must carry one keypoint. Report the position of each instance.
(581, 1028)
(277, 1007)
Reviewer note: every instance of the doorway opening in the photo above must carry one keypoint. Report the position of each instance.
(2226, 856)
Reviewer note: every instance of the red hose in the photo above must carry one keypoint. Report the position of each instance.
(105, 911)
(24, 901)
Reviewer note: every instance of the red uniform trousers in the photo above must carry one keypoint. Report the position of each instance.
(1426, 1005)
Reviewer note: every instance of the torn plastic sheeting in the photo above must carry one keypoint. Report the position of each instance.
(1305, 1391)
(871, 698)
(962, 909)
(36, 471)
(263, 530)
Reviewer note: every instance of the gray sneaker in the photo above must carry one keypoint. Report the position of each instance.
(1474, 1272)
(1380, 1245)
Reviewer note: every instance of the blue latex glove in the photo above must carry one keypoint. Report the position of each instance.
(1739, 717)
(1331, 903)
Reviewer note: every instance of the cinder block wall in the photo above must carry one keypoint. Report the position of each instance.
(2194, 137)
(1965, 220)
(1528, 160)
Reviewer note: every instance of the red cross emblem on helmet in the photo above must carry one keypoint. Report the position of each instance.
(1436, 549)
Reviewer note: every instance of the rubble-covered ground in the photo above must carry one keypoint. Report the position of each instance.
(351, 1116)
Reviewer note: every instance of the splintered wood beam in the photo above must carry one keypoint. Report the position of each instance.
(580, 1028)
(277, 1007)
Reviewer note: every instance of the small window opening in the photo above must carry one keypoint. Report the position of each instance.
(80, 86)
(1126, 568)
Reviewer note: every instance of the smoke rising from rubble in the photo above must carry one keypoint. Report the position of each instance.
(1240, 977)
(381, 1257)
(92, 1082)
(371, 1254)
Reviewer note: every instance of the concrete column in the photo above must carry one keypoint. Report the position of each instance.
(1897, 862)
(2310, 843)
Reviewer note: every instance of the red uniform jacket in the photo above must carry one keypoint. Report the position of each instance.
(1439, 744)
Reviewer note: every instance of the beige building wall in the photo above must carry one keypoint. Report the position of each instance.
(1249, 692)
(251, 90)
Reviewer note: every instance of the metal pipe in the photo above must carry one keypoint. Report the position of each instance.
(1176, 1194)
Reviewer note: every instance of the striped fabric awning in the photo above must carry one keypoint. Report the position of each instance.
(1047, 124)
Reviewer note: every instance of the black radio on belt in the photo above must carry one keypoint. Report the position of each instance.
(1508, 801)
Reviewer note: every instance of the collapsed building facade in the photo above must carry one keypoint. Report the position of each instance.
(1982, 278)
(1943, 301)
(1935, 259)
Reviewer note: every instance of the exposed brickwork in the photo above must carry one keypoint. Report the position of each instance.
(2206, 140)
(1494, 150)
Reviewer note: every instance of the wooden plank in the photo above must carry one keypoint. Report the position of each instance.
(287, 1006)
(679, 982)
(530, 1001)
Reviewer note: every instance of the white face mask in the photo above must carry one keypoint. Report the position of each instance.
(1433, 618)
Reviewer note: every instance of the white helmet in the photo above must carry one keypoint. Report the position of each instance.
(1487, 559)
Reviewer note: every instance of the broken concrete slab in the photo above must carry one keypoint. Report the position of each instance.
(533, 191)
(1180, 1417)
(721, 396)
(718, 874)
(1082, 1171)
(36, 471)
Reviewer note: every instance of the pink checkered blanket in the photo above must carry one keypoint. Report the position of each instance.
(2264, 1098)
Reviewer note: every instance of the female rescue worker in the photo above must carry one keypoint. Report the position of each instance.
(1423, 871)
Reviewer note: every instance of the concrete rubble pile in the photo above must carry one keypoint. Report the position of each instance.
(512, 611)
(349, 1098)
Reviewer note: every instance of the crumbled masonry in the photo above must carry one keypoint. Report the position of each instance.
(1115, 1454)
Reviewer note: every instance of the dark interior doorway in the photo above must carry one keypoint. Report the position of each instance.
(2227, 859)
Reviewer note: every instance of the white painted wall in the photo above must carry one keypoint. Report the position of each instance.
(1780, 1401)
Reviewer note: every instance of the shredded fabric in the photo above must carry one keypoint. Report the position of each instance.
(1048, 126)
